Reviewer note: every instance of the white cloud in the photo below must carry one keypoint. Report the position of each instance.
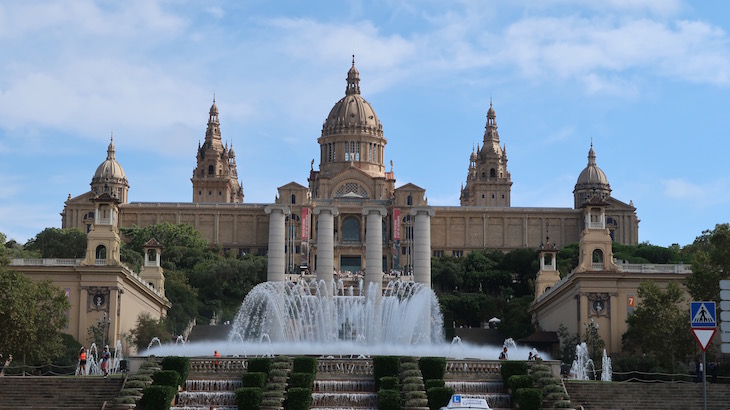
(704, 195)
(215, 11)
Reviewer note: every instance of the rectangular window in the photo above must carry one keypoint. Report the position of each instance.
(457, 253)
(438, 254)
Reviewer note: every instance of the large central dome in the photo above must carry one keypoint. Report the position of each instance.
(352, 114)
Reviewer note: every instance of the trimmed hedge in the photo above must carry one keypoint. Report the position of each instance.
(388, 399)
(259, 365)
(432, 368)
(166, 378)
(305, 380)
(179, 364)
(304, 364)
(298, 398)
(512, 367)
(248, 398)
(389, 383)
(384, 366)
(529, 398)
(254, 379)
(519, 381)
(434, 383)
(158, 397)
(439, 397)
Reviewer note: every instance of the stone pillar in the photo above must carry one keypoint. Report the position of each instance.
(422, 244)
(276, 266)
(374, 244)
(325, 243)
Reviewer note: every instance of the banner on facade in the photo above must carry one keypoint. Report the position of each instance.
(396, 224)
(305, 224)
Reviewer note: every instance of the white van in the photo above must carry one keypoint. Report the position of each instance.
(459, 401)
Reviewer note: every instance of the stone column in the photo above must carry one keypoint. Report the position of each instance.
(276, 242)
(325, 243)
(422, 244)
(374, 244)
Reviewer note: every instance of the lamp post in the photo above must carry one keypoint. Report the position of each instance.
(592, 329)
(103, 324)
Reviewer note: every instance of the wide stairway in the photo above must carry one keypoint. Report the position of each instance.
(51, 393)
(646, 396)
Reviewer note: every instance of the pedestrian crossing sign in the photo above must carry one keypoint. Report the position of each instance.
(703, 314)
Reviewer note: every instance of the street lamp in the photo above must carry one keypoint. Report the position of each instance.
(592, 329)
(103, 323)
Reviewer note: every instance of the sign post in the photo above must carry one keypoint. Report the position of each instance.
(704, 325)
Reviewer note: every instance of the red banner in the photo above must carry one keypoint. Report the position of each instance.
(305, 224)
(396, 224)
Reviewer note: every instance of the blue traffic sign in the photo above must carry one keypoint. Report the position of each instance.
(702, 314)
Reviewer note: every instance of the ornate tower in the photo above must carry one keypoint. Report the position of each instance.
(152, 272)
(215, 178)
(110, 177)
(488, 183)
(548, 275)
(592, 180)
(103, 241)
(596, 252)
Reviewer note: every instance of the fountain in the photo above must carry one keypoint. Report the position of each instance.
(152, 342)
(582, 364)
(606, 368)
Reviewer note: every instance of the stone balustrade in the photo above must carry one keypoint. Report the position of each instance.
(334, 367)
(225, 364)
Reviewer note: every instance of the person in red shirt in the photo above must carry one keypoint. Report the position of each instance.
(82, 362)
(217, 362)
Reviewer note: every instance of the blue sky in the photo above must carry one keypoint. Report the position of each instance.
(646, 80)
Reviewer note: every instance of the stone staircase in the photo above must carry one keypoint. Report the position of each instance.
(51, 393)
(646, 396)
(204, 393)
(345, 394)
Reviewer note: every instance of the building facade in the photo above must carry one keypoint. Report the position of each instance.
(352, 175)
(103, 291)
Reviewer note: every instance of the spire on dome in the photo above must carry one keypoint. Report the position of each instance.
(111, 150)
(591, 155)
(353, 79)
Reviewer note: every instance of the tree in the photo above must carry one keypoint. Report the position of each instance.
(31, 318)
(183, 248)
(710, 263)
(659, 325)
(67, 243)
(223, 283)
(147, 329)
(184, 299)
(516, 321)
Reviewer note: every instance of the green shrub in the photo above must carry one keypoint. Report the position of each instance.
(124, 400)
(384, 366)
(432, 368)
(416, 403)
(529, 398)
(158, 397)
(539, 368)
(129, 392)
(271, 402)
(248, 398)
(275, 386)
(254, 379)
(552, 388)
(439, 397)
(415, 394)
(141, 377)
(280, 366)
(259, 365)
(410, 373)
(434, 383)
(413, 380)
(519, 381)
(512, 367)
(149, 364)
(277, 373)
(305, 364)
(547, 381)
(305, 380)
(179, 364)
(556, 396)
(298, 398)
(166, 378)
(135, 384)
(389, 383)
(388, 399)
(563, 404)
(541, 374)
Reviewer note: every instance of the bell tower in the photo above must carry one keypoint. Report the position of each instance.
(596, 253)
(548, 275)
(151, 272)
(215, 178)
(103, 243)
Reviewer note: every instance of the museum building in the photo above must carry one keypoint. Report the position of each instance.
(351, 178)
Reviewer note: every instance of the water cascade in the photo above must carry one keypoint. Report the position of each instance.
(606, 368)
(582, 364)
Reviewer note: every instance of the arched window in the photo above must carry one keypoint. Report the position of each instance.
(101, 252)
(492, 173)
(410, 199)
(351, 229)
(597, 256)
(211, 170)
(293, 199)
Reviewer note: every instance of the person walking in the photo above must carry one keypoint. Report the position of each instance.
(217, 362)
(82, 362)
(105, 356)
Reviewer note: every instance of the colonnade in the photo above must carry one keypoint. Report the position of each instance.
(373, 243)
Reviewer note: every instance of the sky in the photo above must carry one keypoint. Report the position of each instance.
(646, 81)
